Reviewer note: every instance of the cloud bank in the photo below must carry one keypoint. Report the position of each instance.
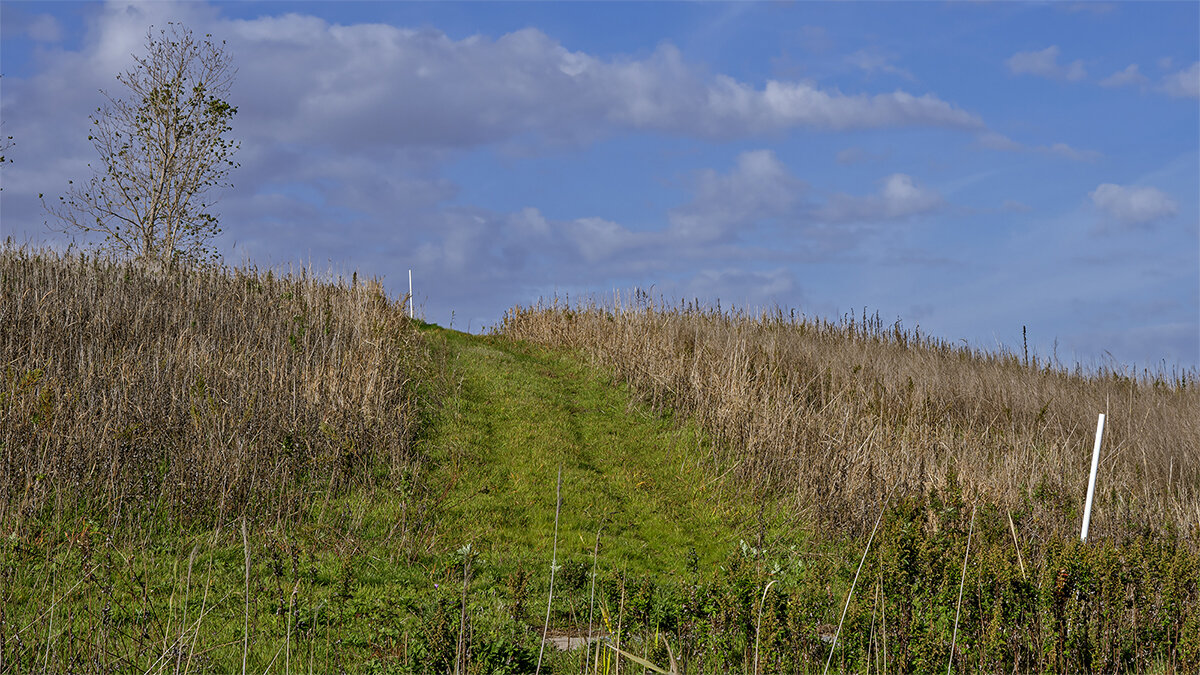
(365, 84)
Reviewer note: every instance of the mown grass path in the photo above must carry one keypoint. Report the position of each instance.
(646, 482)
(369, 578)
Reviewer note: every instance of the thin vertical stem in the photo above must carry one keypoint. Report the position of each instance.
(961, 583)
(758, 629)
(592, 597)
(246, 624)
(1012, 527)
(553, 565)
(849, 595)
(883, 617)
(460, 657)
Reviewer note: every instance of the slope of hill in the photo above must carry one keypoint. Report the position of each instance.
(839, 415)
(235, 470)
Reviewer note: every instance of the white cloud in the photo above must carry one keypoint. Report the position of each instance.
(872, 61)
(1133, 205)
(1129, 76)
(737, 286)
(900, 196)
(346, 131)
(1045, 63)
(598, 240)
(903, 197)
(1184, 83)
(377, 83)
(758, 187)
(363, 87)
(801, 104)
(997, 141)
(1066, 151)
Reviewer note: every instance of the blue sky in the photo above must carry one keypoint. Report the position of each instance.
(969, 167)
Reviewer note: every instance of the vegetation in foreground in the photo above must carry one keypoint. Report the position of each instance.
(401, 511)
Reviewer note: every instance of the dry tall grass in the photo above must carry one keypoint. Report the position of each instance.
(194, 394)
(842, 413)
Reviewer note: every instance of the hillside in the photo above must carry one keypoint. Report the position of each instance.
(238, 470)
(838, 416)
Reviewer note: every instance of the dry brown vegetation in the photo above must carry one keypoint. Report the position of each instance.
(841, 414)
(195, 394)
(207, 470)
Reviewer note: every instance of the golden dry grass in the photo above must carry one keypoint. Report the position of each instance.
(194, 393)
(840, 414)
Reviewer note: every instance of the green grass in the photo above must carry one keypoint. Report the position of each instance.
(371, 578)
(521, 410)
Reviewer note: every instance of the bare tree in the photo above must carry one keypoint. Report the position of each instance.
(162, 148)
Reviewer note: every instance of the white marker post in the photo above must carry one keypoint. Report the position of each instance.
(1087, 507)
(410, 298)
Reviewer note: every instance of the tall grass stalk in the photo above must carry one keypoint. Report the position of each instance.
(1012, 527)
(460, 647)
(758, 626)
(850, 593)
(592, 598)
(287, 661)
(961, 583)
(553, 568)
(246, 624)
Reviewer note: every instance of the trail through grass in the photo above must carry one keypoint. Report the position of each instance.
(371, 578)
(316, 486)
(642, 479)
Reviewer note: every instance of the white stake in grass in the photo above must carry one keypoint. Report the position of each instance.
(410, 298)
(1087, 507)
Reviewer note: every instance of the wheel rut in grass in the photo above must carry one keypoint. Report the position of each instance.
(518, 411)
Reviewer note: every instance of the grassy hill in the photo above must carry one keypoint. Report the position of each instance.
(838, 415)
(236, 470)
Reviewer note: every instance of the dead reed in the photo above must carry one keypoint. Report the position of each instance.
(840, 413)
(195, 394)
